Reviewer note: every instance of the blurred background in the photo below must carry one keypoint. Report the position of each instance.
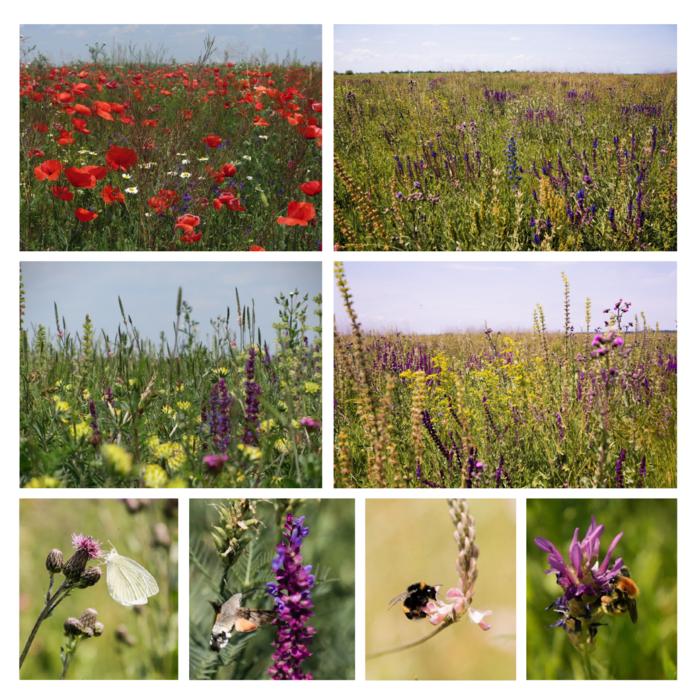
(329, 548)
(138, 642)
(412, 540)
(646, 650)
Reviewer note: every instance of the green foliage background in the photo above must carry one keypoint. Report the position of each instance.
(329, 548)
(412, 540)
(46, 524)
(646, 650)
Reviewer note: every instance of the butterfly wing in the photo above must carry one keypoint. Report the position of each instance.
(128, 582)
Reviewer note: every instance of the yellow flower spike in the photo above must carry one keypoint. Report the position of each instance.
(154, 476)
(184, 406)
(81, 430)
(266, 426)
(311, 387)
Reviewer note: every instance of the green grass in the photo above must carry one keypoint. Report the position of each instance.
(153, 403)
(505, 161)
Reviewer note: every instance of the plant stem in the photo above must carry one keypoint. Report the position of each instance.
(49, 606)
(441, 628)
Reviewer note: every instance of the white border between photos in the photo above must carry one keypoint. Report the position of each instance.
(355, 12)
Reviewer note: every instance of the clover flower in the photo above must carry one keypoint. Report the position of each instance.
(584, 580)
(293, 602)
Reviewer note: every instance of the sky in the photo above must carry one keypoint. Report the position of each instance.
(575, 48)
(458, 296)
(64, 43)
(149, 292)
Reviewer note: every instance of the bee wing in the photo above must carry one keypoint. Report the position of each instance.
(398, 599)
(129, 583)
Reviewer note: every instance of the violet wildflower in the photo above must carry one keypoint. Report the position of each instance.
(294, 605)
(587, 582)
(219, 424)
(309, 423)
(252, 392)
(620, 482)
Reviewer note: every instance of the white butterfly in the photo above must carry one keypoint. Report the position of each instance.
(128, 582)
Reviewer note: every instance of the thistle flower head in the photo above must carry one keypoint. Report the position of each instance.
(87, 544)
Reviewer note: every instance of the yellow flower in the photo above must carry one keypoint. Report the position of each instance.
(184, 405)
(177, 483)
(43, 482)
(61, 405)
(179, 388)
(169, 411)
(81, 430)
(85, 395)
(311, 387)
(251, 452)
(117, 458)
(282, 445)
(221, 371)
(154, 476)
(268, 425)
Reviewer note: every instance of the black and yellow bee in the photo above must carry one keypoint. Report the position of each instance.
(415, 598)
(623, 596)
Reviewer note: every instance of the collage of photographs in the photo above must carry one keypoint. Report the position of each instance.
(397, 406)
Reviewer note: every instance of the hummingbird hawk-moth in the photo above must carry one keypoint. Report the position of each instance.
(232, 616)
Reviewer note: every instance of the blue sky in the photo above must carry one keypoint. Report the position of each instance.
(149, 292)
(456, 296)
(588, 48)
(63, 43)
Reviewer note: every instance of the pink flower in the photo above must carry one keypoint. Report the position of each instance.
(309, 423)
(215, 462)
(457, 604)
(87, 544)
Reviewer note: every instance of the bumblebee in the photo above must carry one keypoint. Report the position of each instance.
(623, 597)
(415, 598)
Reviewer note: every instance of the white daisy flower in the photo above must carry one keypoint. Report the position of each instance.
(131, 190)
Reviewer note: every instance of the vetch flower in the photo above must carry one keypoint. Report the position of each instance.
(291, 591)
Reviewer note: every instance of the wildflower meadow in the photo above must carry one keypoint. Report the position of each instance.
(119, 409)
(505, 161)
(133, 153)
(271, 589)
(593, 405)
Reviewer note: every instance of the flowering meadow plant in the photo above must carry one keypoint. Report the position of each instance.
(132, 156)
(505, 161)
(591, 406)
(124, 411)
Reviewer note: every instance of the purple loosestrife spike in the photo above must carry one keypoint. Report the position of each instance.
(291, 591)
(252, 392)
(219, 424)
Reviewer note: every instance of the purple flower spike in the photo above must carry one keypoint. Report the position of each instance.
(88, 545)
(294, 605)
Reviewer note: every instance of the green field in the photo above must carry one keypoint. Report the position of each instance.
(505, 161)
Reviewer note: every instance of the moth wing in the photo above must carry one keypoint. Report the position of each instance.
(244, 625)
(128, 582)
(231, 606)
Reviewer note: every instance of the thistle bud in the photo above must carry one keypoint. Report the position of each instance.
(90, 576)
(73, 628)
(75, 566)
(54, 561)
(98, 629)
(161, 536)
(123, 636)
(88, 619)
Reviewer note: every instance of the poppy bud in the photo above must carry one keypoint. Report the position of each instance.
(54, 561)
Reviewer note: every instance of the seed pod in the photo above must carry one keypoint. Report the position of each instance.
(54, 561)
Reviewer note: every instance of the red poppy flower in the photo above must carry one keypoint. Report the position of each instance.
(187, 114)
(299, 214)
(85, 177)
(85, 215)
(41, 127)
(48, 170)
(258, 121)
(312, 132)
(82, 109)
(103, 110)
(150, 122)
(80, 125)
(212, 141)
(229, 200)
(256, 248)
(163, 200)
(311, 188)
(36, 153)
(187, 224)
(65, 138)
(119, 158)
(111, 195)
(316, 106)
(62, 193)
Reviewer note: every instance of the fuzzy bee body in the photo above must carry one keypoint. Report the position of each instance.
(623, 596)
(414, 599)
(232, 616)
